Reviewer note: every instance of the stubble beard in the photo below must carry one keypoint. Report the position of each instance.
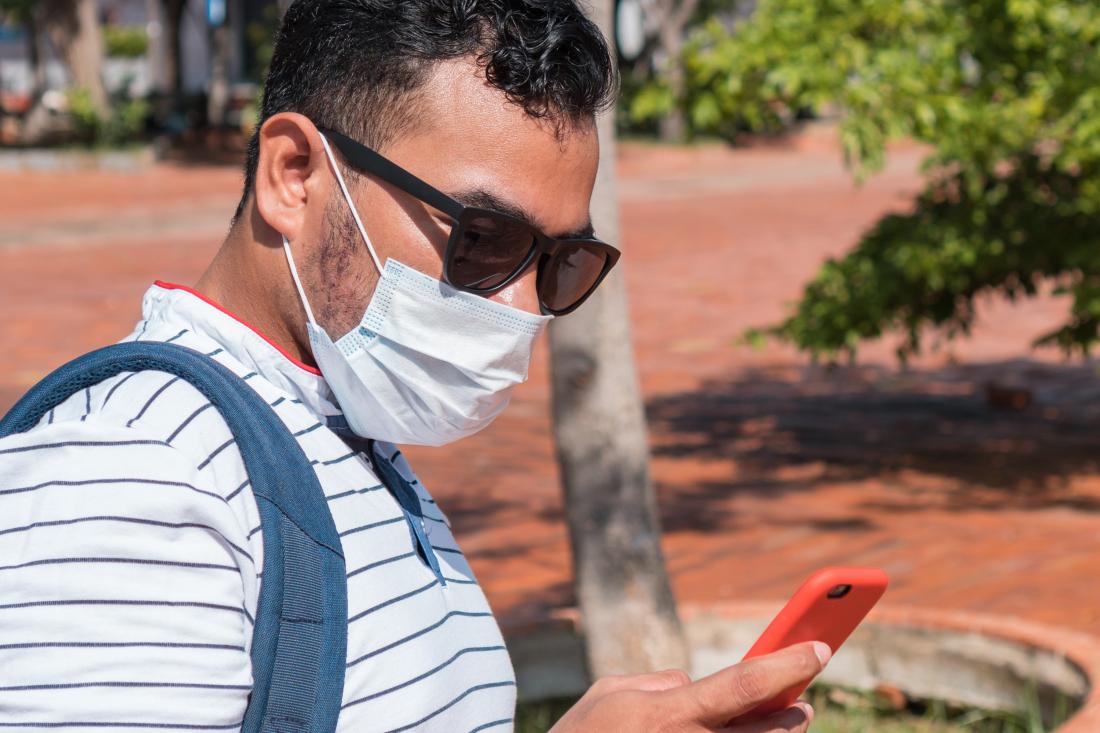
(344, 271)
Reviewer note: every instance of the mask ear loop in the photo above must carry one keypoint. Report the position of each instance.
(347, 199)
(297, 282)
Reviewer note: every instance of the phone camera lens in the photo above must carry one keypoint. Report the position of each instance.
(839, 591)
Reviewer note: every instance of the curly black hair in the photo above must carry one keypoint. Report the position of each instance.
(354, 65)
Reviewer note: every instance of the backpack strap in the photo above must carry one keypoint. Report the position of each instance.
(299, 641)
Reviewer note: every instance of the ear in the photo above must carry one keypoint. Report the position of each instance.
(288, 173)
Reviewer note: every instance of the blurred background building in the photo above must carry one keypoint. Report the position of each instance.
(197, 62)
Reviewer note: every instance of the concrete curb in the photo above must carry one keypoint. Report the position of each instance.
(40, 160)
(548, 653)
(1081, 650)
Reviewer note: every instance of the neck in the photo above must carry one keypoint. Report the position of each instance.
(250, 277)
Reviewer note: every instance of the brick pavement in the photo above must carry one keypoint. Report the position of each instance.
(766, 467)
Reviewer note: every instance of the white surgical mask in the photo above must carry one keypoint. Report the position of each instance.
(427, 364)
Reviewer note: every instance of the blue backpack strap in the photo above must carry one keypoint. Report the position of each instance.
(299, 642)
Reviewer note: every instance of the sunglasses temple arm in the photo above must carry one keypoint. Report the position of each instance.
(363, 157)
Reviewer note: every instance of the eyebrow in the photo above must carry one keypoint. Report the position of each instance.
(484, 199)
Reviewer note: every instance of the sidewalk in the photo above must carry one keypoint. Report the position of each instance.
(766, 468)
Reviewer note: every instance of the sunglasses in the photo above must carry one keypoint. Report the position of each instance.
(489, 249)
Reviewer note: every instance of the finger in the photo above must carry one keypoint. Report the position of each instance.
(736, 690)
(795, 719)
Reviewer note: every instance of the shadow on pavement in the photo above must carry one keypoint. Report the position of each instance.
(792, 429)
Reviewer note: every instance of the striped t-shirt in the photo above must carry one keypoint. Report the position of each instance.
(131, 556)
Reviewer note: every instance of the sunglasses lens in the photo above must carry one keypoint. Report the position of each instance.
(571, 274)
(487, 251)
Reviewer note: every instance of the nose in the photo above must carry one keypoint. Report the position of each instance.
(521, 293)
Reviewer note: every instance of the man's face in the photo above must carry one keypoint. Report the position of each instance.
(471, 143)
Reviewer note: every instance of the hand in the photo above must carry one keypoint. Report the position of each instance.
(669, 702)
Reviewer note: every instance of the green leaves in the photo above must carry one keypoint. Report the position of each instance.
(1007, 94)
(926, 268)
(129, 42)
(122, 126)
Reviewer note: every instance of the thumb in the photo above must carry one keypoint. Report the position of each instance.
(736, 690)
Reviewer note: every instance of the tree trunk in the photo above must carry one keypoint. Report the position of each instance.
(172, 14)
(217, 101)
(155, 55)
(74, 30)
(630, 620)
(671, 21)
(35, 56)
(672, 126)
(36, 121)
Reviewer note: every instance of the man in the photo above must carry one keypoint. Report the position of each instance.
(363, 300)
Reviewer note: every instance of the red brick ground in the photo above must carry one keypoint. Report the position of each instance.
(766, 467)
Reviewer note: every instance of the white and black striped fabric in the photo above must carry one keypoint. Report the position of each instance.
(131, 556)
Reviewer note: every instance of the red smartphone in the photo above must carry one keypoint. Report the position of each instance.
(828, 608)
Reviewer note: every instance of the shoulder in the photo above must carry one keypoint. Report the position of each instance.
(50, 443)
(130, 445)
(70, 473)
(92, 453)
(168, 408)
(163, 411)
(77, 476)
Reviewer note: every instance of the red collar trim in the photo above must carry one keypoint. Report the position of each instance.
(238, 319)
